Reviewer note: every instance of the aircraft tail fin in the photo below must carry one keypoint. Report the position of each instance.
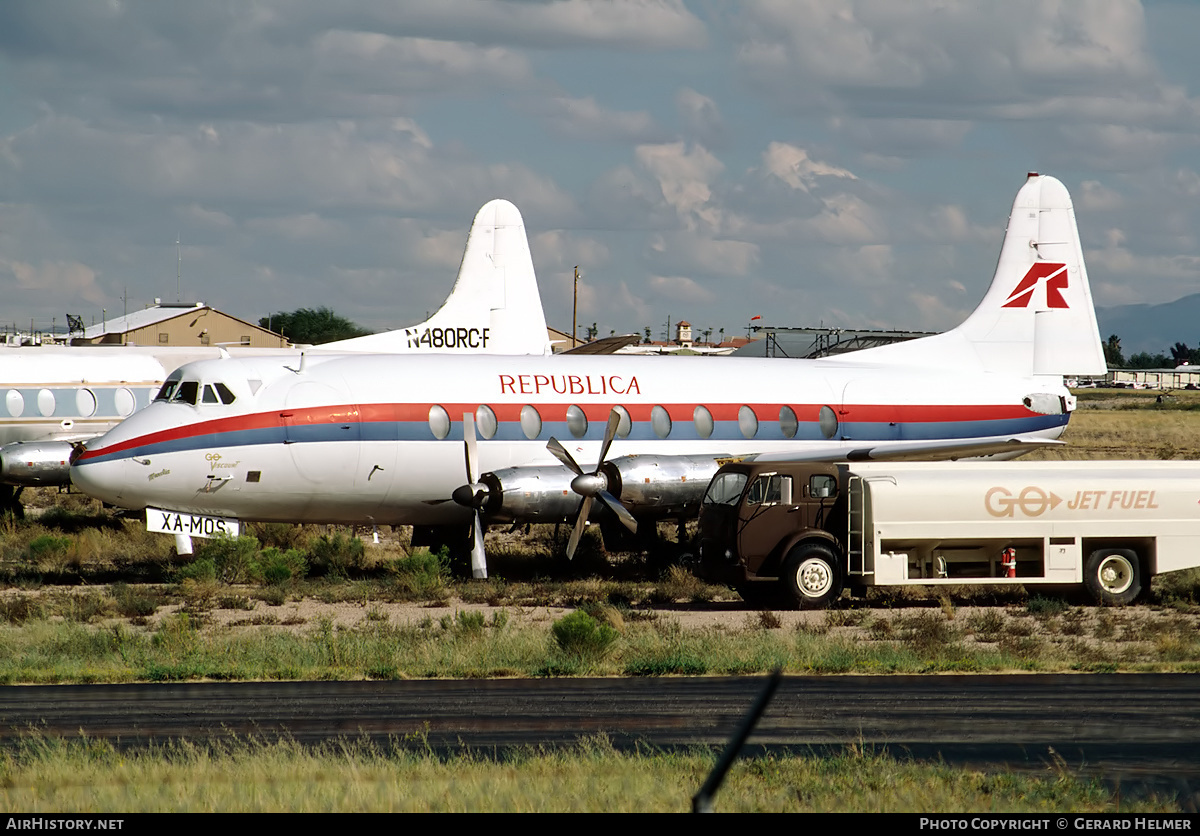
(494, 307)
(1037, 316)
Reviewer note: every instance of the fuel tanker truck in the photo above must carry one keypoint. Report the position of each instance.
(807, 530)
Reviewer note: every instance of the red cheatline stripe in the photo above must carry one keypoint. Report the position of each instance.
(866, 413)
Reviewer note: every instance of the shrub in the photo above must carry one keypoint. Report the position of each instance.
(47, 546)
(680, 584)
(281, 535)
(579, 635)
(337, 555)
(465, 623)
(422, 573)
(19, 609)
(280, 567)
(234, 558)
(133, 602)
(200, 569)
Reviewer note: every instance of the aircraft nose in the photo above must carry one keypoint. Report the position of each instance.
(101, 480)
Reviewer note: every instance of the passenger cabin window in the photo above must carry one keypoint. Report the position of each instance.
(439, 421)
(828, 421)
(625, 425)
(660, 420)
(747, 422)
(577, 422)
(531, 422)
(726, 489)
(767, 490)
(822, 485)
(787, 422)
(485, 421)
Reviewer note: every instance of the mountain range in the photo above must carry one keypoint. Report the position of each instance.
(1152, 328)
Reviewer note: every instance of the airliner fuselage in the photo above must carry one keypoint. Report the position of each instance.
(380, 439)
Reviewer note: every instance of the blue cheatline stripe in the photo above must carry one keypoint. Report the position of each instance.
(511, 431)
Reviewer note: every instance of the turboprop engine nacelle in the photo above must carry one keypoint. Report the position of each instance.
(36, 463)
(649, 486)
(530, 494)
(661, 486)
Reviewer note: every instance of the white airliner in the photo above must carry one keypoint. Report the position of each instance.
(55, 396)
(370, 439)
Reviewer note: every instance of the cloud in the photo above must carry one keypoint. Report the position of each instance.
(684, 175)
(792, 166)
(932, 54)
(585, 119)
(711, 256)
(679, 290)
(701, 118)
(340, 165)
(68, 283)
(1093, 196)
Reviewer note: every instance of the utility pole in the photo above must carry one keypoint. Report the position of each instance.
(575, 309)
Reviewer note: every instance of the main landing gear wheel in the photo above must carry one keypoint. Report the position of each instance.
(812, 576)
(1113, 576)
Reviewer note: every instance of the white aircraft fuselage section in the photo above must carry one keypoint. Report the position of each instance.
(380, 439)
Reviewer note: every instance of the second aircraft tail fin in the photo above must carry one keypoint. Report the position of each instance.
(494, 307)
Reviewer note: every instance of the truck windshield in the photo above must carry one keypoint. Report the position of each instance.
(726, 489)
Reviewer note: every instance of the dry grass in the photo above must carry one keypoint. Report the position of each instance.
(1130, 424)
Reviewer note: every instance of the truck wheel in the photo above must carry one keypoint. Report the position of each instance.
(1113, 576)
(812, 576)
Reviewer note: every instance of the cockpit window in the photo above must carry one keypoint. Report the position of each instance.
(167, 390)
(209, 395)
(224, 394)
(187, 392)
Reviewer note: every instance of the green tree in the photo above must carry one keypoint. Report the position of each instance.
(1146, 360)
(305, 325)
(1112, 351)
(1180, 354)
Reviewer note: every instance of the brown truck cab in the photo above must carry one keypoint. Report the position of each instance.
(767, 526)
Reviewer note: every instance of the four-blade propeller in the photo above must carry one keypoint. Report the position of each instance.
(592, 486)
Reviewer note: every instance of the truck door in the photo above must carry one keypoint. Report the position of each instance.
(767, 516)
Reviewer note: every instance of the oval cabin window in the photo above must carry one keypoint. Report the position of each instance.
(439, 422)
(747, 422)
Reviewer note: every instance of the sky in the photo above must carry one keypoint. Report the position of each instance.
(813, 162)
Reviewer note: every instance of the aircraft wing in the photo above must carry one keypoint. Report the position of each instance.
(1006, 447)
(605, 345)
